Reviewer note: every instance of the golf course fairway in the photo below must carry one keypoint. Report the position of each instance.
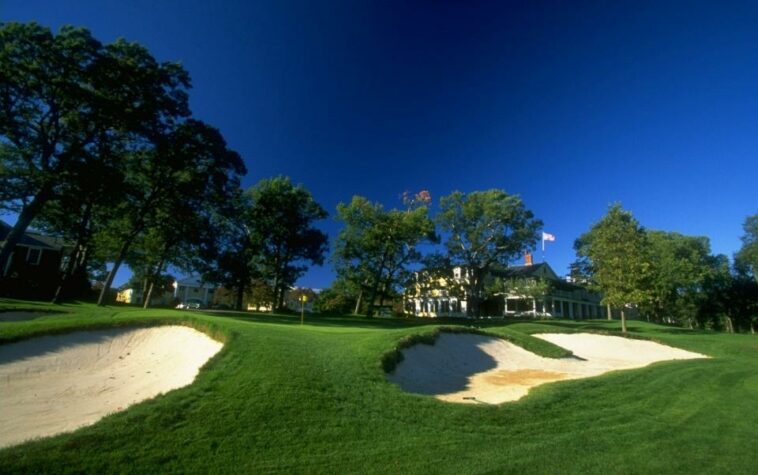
(315, 398)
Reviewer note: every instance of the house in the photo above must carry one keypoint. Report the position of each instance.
(134, 296)
(440, 292)
(33, 269)
(193, 288)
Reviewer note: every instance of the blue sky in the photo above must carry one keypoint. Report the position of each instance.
(572, 105)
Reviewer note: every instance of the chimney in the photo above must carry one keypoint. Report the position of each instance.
(528, 259)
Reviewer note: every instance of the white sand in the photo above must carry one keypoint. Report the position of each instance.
(474, 368)
(55, 384)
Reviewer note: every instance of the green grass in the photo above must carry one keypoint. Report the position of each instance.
(281, 397)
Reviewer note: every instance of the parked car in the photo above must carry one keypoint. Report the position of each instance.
(191, 304)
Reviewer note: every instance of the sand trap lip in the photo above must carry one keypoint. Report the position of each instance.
(473, 368)
(59, 383)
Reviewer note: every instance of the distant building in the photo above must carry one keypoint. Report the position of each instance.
(193, 288)
(33, 269)
(134, 296)
(439, 293)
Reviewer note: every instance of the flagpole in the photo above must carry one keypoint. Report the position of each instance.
(543, 247)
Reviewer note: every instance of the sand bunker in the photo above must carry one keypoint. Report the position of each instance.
(55, 384)
(482, 369)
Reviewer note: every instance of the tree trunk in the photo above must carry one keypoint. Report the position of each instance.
(729, 325)
(67, 273)
(372, 298)
(146, 297)
(280, 301)
(474, 308)
(240, 294)
(81, 234)
(382, 295)
(158, 269)
(28, 213)
(358, 302)
(145, 285)
(610, 312)
(116, 264)
(623, 321)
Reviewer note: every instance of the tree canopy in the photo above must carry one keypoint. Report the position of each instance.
(485, 228)
(282, 217)
(618, 253)
(376, 246)
(747, 256)
(69, 102)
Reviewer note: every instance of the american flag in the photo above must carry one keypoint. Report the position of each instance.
(547, 237)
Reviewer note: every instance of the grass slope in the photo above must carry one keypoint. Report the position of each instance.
(281, 397)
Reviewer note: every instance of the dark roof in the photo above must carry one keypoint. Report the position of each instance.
(539, 270)
(32, 239)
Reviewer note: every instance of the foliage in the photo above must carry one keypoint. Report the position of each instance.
(281, 222)
(376, 246)
(70, 104)
(339, 299)
(485, 228)
(232, 259)
(679, 266)
(522, 287)
(618, 252)
(174, 185)
(747, 256)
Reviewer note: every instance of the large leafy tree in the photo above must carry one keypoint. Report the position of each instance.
(282, 218)
(679, 268)
(83, 210)
(173, 186)
(66, 103)
(618, 253)
(375, 247)
(340, 298)
(231, 261)
(747, 256)
(485, 228)
(728, 300)
(48, 108)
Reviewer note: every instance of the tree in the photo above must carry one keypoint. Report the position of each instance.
(679, 266)
(617, 249)
(485, 228)
(231, 259)
(140, 282)
(173, 186)
(529, 288)
(581, 269)
(376, 246)
(66, 102)
(81, 212)
(46, 115)
(341, 298)
(747, 256)
(281, 221)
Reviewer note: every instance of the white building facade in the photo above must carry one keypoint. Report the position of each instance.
(193, 289)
